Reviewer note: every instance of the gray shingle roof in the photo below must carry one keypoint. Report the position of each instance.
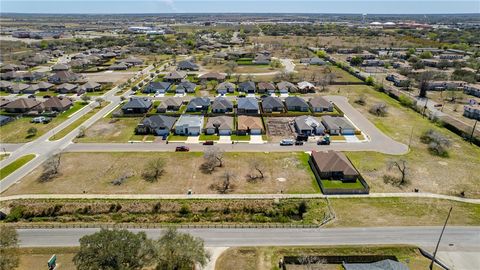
(247, 86)
(272, 102)
(295, 102)
(221, 103)
(159, 121)
(138, 103)
(247, 103)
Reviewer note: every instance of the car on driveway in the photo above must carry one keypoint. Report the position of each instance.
(298, 142)
(208, 143)
(182, 149)
(41, 119)
(287, 142)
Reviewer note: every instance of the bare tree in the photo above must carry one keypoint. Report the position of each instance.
(153, 170)
(213, 158)
(50, 168)
(423, 82)
(401, 166)
(379, 109)
(257, 170)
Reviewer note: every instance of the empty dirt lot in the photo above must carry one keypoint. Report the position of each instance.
(279, 128)
(94, 172)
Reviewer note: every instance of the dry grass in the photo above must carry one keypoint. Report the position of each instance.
(111, 130)
(93, 173)
(32, 258)
(313, 72)
(428, 173)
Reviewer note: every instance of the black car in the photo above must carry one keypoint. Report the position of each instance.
(298, 143)
(31, 96)
(302, 137)
(323, 142)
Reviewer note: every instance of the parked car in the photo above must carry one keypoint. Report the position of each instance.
(437, 105)
(323, 142)
(41, 119)
(298, 142)
(31, 96)
(208, 143)
(47, 96)
(302, 137)
(287, 142)
(182, 149)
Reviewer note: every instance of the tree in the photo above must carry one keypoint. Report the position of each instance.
(356, 61)
(426, 55)
(257, 169)
(213, 157)
(361, 100)
(114, 249)
(438, 143)
(99, 101)
(231, 65)
(424, 81)
(401, 166)
(85, 98)
(153, 170)
(81, 132)
(379, 109)
(50, 168)
(179, 251)
(8, 248)
(31, 132)
(225, 184)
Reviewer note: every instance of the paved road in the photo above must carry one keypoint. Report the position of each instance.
(234, 196)
(44, 148)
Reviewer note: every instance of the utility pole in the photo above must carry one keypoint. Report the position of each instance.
(424, 107)
(473, 131)
(439, 239)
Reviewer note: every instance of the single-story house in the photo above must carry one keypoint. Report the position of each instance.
(170, 104)
(285, 87)
(32, 89)
(157, 124)
(67, 88)
(57, 104)
(266, 87)
(5, 120)
(472, 89)
(44, 86)
(312, 61)
(221, 125)
(247, 105)
(398, 80)
(18, 88)
(185, 87)
(212, 76)
(261, 59)
(64, 76)
(272, 104)
(306, 86)
(187, 65)
(247, 87)
(131, 61)
(222, 105)
(225, 87)
(336, 125)
(249, 125)
(309, 125)
(189, 125)
(91, 86)
(175, 76)
(320, 104)
(472, 111)
(157, 87)
(137, 106)
(5, 86)
(445, 85)
(21, 105)
(198, 104)
(297, 104)
(333, 165)
(60, 67)
(119, 66)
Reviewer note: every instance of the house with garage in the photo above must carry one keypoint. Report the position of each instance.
(60, 67)
(212, 76)
(225, 87)
(312, 61)
(57, 104)
(68, 88)
(222, 105)
(336, 125)
(309, 125)
(18, 88)
(91, 86)
(32, 89)
(296, 104)
(175, 76)
(220, 125)
(247, 105)
(157, 124)
(305, 87)
(44, 86)
(171, 104)
(333, 165)
(21, 105)
(119, 66)
(185, 87)
(272, 104)
(5, 86)
(247, 87)
(187, 65)
(261, 59)
(189, 125)
(320, 104)
(157, 87)
(198, 104)
(266, 87)
(472, 89)
(137, 106)
(251, 125)
(285, 87)
(398, 80)
(64, 77)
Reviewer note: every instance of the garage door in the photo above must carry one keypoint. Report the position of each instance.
(255, 132)
(224, 132)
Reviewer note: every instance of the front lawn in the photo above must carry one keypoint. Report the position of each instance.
(205, 137)
(341, 185)
(62, 133)
(240, 137)
(174, 137)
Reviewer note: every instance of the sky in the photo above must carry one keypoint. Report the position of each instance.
(242, 6)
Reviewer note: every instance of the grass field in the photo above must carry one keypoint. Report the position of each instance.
(108, 130)
(16, 131)
(339, 184)
(32, 258)
(426, 172)
(64, 132)
(312, 71)
(19, 162)
(93, 173)
(268, 257)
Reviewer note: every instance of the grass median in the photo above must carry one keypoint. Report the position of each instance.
(19, 162)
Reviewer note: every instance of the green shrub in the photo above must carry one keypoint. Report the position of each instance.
(405, 101)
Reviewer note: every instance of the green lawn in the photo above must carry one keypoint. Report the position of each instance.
(339, 184)
(10, 168)
(173, 137)
(62, 133)
(205, 137)
(240, 137)
(16, 131)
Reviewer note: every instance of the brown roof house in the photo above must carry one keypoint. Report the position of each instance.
(332, 165)
(212, 76)
(21, 105)
(57, 104)
(175, 76)
(67, 88)
(249, 125)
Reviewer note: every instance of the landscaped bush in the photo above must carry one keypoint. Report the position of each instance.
(405, 101)
(438, 143)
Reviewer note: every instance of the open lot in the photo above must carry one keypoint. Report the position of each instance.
(428, 173)
(16, 131)
(115, 77)
(268, 257)
(242, 68)
(32, 258)
(311, 72)
(94, 172)
(110, 129)
(279, 128)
